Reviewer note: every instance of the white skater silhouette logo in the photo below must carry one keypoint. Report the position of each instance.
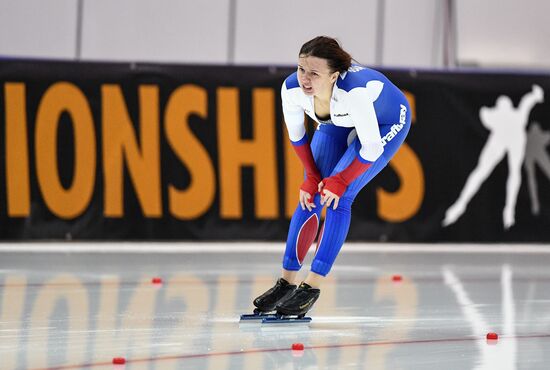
(536, 154)
(508, 136)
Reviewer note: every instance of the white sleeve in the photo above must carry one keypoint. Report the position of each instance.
(361, 107)
(293, 115)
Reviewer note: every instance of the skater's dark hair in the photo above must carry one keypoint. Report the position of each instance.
(327, 48)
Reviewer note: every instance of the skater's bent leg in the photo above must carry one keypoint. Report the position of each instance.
(337, 221)
(332, 237)
(334, 234)
(328, 145)
(301, 234)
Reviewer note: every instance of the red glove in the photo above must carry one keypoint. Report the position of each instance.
(338, 183)
(310, 185)
(335, 184)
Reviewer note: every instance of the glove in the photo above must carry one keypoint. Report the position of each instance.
(337, 184)
(310, 185)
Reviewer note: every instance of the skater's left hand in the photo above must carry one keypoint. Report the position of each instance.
(328, 196)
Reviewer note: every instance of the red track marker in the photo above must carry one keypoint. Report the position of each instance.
(119, 361)
(297, 347)
(397, 278)
(492, 336)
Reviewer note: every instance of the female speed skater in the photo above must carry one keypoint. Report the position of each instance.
(363, 119)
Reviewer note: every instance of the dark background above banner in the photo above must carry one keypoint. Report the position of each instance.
(94, 151)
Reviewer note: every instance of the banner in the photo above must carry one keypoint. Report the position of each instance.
(116, 151)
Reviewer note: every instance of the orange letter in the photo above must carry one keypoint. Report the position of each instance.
(197, 199)
(119, 145)
(17, 155)
(259, 153)
(61, 97)
(404, 203)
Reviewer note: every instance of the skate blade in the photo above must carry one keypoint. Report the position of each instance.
(286, 320)
(254, 317)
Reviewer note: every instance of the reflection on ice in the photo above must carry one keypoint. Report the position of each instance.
(75, 310)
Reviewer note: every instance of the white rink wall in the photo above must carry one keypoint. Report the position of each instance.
(393, 33)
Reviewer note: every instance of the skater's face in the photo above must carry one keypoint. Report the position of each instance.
(315, 77)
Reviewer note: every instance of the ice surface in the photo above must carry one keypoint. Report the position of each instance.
(80, 310)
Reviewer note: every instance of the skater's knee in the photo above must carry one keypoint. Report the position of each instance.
(344, 206)
(300, 212)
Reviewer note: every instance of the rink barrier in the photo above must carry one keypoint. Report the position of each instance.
(126, 151)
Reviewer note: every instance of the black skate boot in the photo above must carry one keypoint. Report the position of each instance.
(299, 302)
(267, 301)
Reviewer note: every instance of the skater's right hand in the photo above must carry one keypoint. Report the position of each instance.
(308, 191)
(306, 200)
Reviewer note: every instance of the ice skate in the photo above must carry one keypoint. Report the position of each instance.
(294, 308)
(266, 303)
